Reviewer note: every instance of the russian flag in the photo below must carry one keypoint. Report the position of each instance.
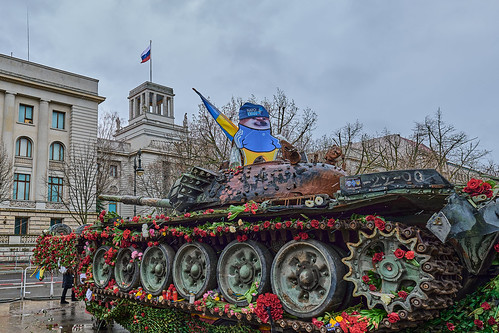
(146, 55)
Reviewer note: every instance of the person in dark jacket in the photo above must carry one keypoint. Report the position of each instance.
(67, 283)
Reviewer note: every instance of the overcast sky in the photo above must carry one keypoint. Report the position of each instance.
(386, 63)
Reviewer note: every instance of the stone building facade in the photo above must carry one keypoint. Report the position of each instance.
(44, 112)
(151, 128)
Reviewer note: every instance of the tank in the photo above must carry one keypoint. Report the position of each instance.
(406, 242)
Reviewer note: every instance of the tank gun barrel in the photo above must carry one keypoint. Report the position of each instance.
(137, 200)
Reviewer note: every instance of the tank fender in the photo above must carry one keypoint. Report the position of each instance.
(473, 231)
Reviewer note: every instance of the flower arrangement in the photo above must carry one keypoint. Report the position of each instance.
(268, 301)
(476, 187)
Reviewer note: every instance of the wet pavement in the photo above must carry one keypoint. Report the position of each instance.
(48, 316)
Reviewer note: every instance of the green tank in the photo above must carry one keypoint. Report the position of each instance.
(405, 241)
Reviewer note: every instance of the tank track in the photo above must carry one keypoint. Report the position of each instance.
(440, 265)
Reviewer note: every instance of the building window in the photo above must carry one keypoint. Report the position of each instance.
(21, 186)
(113, 171)
(21, 226)
(25, 114)
(55, 189)
(58, 119)
(113, 207)
(23, 147)
(55, 221)
(56, 152)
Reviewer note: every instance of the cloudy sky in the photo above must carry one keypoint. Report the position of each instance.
(386, 63)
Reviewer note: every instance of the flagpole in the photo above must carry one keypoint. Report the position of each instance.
(150, 61)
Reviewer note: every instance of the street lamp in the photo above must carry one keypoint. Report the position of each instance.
(137, 170)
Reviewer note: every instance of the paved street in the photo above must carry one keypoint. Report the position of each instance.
(40, 310)
(47, 316)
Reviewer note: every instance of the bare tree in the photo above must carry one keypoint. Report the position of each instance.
(5, 173)
(446, 144)
(80, 174)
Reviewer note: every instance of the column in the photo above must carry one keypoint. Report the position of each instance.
(9, 119)
(41, 155)
(171, 107)
(165, 106)
(148, 102)
(130, 109)
(154, 103)
(142, 104)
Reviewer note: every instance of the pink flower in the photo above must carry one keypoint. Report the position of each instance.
(451, 327)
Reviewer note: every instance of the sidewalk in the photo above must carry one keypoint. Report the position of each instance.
(47, 316)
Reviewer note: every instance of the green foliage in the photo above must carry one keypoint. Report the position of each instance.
(139, 318)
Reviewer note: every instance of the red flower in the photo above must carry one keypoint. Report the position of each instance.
(372, 287)
(478, 323)
(266, 224)
(126, 233)
(409, 255)
(473, 183)
(242, 238)
(402, 294)
(491, 321)
(451, 327)
(485, 306)
(256, 227)
(370, 218)
(303, 235)
(393, 317)
(268, 300)
(379, 223)
(278, 225)
(299, 224)
(399, 253)
(288, 224)
(377, 257)
(219, 229)
(314, 224)
(330, 223)
(366, 278)
(187, 215)
(317, 323)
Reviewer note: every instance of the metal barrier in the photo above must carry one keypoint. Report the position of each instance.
(19, 278)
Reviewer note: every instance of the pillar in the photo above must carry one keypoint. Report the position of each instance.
(9, 118)
(41, 156)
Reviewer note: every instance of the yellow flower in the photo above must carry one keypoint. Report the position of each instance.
(149, 296)
(332, 322)
(164, 233)
(339, 319)
(240, 222)
(217, 298)
(138, 293)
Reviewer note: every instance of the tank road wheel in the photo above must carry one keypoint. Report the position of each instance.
(126, 270)
(390, 275)
(194, 269)
(156, 268)
(307, 276)
(239, 266)
(102, 271)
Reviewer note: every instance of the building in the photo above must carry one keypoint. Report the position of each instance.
(44, 112)
(152, 129)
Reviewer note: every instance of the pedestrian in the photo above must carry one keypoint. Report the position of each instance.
(67, 283)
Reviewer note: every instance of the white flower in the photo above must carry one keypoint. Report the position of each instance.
(232, 229)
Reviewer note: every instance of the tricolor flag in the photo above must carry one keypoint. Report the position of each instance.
(146, 55)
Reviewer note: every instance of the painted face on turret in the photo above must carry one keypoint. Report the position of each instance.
(258, 123)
